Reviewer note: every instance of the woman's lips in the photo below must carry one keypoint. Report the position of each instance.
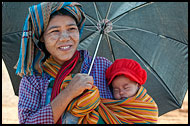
(64, 48)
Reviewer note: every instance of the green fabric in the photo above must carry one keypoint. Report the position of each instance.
(51, 83)
(101, 121)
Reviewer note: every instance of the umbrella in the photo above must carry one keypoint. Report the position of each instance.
(13, 17)
(153, 34)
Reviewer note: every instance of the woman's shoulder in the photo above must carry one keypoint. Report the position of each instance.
(36, 76)
(103, 59)
(35, 79)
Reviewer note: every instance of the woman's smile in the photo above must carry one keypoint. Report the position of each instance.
(61, 38)
(65, 47)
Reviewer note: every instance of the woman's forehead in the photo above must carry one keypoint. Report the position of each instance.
(62, 20)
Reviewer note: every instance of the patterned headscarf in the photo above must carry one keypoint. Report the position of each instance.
(31, 55)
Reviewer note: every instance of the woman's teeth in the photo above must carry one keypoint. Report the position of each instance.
(65, 47)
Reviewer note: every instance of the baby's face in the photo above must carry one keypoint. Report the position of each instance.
(123, 87)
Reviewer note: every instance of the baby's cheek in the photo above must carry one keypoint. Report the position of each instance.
(117, 96)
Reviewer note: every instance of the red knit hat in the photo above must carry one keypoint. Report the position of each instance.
(128, 67)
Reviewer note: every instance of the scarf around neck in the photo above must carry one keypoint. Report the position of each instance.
(59, 72)
(89, 106)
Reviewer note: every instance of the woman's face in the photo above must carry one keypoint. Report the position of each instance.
(123, 87)
(61, 38)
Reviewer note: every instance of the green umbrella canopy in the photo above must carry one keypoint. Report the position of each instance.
(153, 34)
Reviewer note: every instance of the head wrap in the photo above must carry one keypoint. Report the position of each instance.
(31, 55)
(128, 67)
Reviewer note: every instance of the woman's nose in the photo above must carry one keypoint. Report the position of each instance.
(64, 36)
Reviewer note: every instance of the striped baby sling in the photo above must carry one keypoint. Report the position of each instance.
(89, 106)
(140, 109)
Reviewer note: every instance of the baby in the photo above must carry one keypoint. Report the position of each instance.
(125, 76)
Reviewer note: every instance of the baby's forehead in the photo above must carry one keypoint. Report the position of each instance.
(120, 85)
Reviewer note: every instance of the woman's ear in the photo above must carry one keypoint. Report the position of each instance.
(42, 39)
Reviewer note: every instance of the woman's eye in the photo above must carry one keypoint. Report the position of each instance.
(55, 31)
(72, 29)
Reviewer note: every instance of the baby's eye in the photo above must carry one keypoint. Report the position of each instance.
(126, 88)
(116, 90)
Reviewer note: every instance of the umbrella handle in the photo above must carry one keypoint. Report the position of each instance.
(95, 53)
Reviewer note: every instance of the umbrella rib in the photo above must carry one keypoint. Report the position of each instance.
(133, 9)
(142, 60)
(123, 28)
(149, 68)
(162, 36)
(116, 39)
(89, 29)
(139, 57)
(17, 32)
(110, 47)
(89, 26)
(89, 18)
(97, 12)
(108, 10)
(120, 26)
(96, 32)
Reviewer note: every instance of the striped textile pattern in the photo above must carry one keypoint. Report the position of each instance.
(140, 109)
(90, 106)
(31, 56)
(35, 110)
(61, 72)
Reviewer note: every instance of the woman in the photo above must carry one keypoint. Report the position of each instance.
(48, 55)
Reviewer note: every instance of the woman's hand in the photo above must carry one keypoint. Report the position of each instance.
(79, 83)
(76, 87)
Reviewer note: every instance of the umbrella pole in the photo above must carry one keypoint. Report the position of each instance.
(95, 53)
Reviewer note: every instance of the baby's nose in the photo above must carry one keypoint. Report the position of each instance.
(122, 92)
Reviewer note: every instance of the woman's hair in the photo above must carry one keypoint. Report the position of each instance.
(62, 11)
